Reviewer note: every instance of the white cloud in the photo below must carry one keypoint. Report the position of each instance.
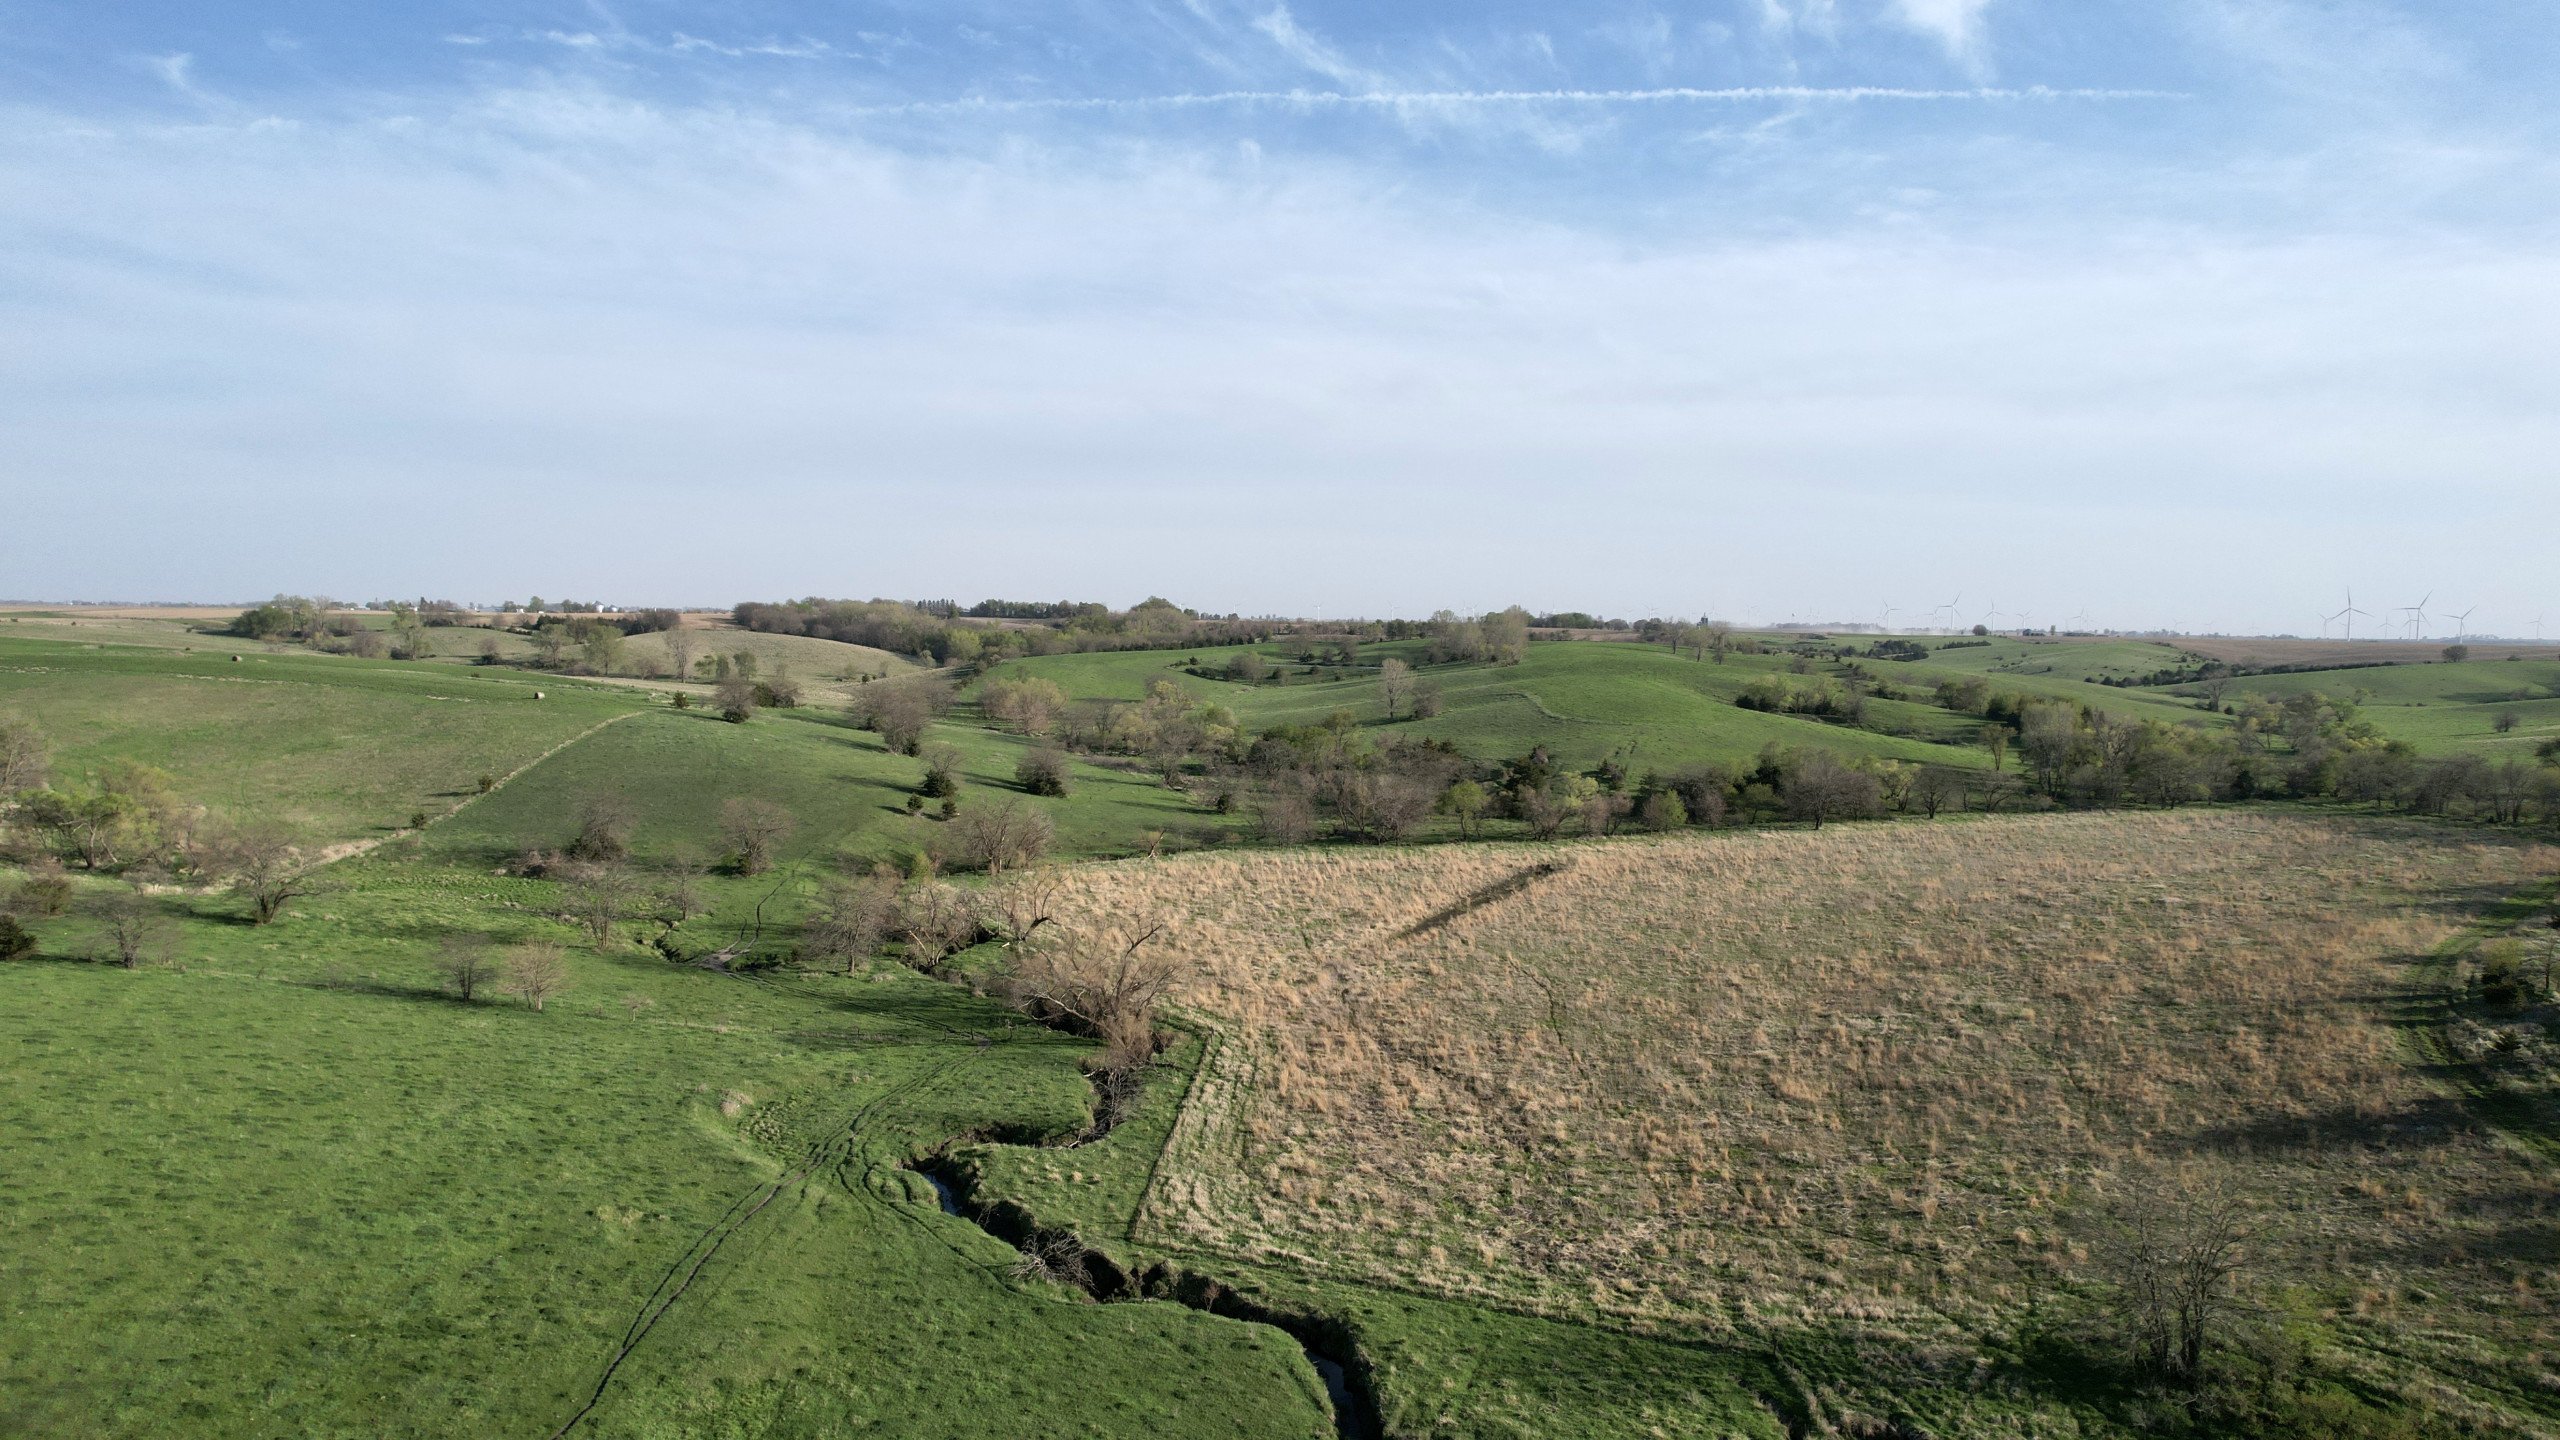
(731, 355)
(1957, 26)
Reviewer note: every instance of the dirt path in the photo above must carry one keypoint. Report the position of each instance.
(348, 849)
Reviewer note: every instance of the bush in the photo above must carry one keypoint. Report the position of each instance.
(1042, 772)
(15, 942)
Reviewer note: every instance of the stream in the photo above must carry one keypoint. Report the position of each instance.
(1352, 1419)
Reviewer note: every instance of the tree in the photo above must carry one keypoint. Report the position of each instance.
(466, 967)
(1248, 667)
(1395, 685)
(1663, 810)
(898, 712)
(1995, 743)
(536, 972)
(1817, 787)
(753, 829)
(935, 920)
(680, 651)
(1506, 636)
(1028, 704)
(1936, 787)
(1544, 810)
(735, 694)
(2178, 1243)
(601, 647)
(941, 772)
(262, 863)
(1427, 700)
(604, 828)
(596, 897)
(1466, 800)
(1004, 836)
(1104, 983)
(2456, 654)
(1719, 640)
(1027, 900)
(1042, 771)
(131, 930)
(22, 757)
(15, 942)
(852, 917)
(2506, 722)
(680, 891)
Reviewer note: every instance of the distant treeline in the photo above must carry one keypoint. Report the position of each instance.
(936, 632)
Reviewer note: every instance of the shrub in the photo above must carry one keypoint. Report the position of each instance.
(1042, 771)
(15, 942)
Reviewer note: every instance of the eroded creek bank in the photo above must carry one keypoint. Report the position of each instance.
(1328, 1343)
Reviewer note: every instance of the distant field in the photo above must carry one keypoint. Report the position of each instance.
(344, 749)
(1863, 1083)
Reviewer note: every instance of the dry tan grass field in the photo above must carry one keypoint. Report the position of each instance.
(1855, 1077)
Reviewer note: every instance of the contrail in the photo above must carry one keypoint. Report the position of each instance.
(1417, 99)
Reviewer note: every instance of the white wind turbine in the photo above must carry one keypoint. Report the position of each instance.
(2462, 623)
(2349, 615)
(2418, 617)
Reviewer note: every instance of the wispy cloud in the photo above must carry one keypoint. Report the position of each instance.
(1426, 99)
(1308, 51)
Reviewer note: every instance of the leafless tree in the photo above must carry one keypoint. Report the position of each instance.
(22, 757)
(536, 972)
(735, 696)
(1427, 700)
(680, 650)
(132, 931)
(1935, 788)
(261, 862)
(851, 919)
(44, 891)
(753, 830)
(1027, 900)
(1395, 685)
(1817, 787)
(1105, 983)
(604, 828)
(465, 965)
(680, 891)
(596, 897)
(935, 920)
(1543, 812)
(2177, 1245)
(1003, 836)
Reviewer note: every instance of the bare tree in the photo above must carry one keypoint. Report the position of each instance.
(1427, 700)
(1935, 788)
(2177, 1245)
(1104, 983)
(465, 965)
(1817, 787)
(753, 830)
(261, 862)
(132, 931)
(936, 920)
(680, 891)
(852, 917)
(680, 649)
(1395, 685)
(22, 757)
(604, 828)
(1002, 836)
(735, 695)
(1026, 901)
(1543, 811)
(536, 972)
(596, 897)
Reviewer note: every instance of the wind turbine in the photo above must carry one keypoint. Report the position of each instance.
(1889, 613)
(2462, 623)
(2350, 613)
(1950, 608)
(1988, 616)
(2418, 617)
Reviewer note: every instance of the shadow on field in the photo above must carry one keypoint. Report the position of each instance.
(2334, 1129)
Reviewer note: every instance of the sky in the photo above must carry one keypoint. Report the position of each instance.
(2192, 314)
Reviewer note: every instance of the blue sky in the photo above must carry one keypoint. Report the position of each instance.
(2185, 312)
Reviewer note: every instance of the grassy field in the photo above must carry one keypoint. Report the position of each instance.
(1708, 1135)
(1856, 1089)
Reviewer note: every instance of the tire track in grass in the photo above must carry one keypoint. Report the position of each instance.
(2430, 1013)
(830, 1153)
(349, 849)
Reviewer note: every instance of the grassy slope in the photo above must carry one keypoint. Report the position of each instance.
(290, 1190)
(347, 749)
(1586, 702)
(2442, 708)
